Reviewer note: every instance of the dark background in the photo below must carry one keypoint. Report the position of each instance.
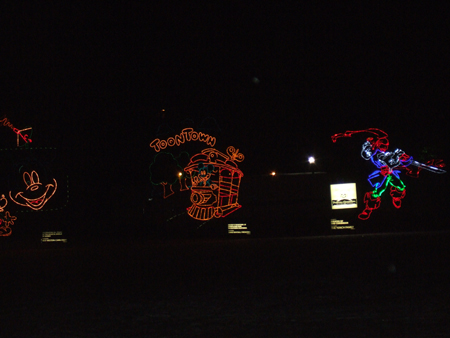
(280, 77)
(97, 80)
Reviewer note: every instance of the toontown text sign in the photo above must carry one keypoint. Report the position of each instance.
(187, 134)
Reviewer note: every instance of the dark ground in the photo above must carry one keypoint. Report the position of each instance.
(386, 285)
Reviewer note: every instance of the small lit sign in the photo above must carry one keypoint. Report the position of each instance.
(338, 224)
(238, 228)
(343, 196)
(53, 236)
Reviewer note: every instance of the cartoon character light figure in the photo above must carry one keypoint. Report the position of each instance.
(5, 220)
(35, 195)
(215, 179)
(389, 165)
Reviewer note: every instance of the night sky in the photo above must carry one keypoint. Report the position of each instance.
(278, 77)
(98, 81)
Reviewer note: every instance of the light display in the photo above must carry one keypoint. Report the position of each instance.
(2, 208)
(6, 220)
(343, 196)
(166, 171)
(211, 177)
(340, 224)
(187, 134)
(35, 195)
(30, 184)
(215, 180)
(52, 237)
(238, 228)
(34, 167)
(26, 173)
(21, 136)
(389, 166)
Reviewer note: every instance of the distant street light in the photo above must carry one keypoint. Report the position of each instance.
(311, 161)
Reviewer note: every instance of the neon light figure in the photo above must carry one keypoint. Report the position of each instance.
(163, 171)
(204, 175)
(25, 137)
(389, 165)
(6, 220)
(36, 194)
(2, 208)
(215, 179)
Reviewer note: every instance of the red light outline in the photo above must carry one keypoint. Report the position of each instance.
(215, 179)
(8, 220)
(33, 185)
(187, 134)
(8, 124)
(379, 144)
(167, 192)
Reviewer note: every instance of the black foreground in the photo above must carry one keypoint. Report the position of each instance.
(387, 285)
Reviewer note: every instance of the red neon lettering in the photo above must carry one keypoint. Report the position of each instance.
(179, 139)
(171, 141)
(194, 136)
(155, 144)
(163, 144)
(211, 141)
(187, 134)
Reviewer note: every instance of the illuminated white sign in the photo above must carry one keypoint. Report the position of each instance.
(238, 228)
(339, 224)
(49, 236)
(343, 196)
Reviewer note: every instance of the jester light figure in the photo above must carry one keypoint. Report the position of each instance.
(389, 166)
